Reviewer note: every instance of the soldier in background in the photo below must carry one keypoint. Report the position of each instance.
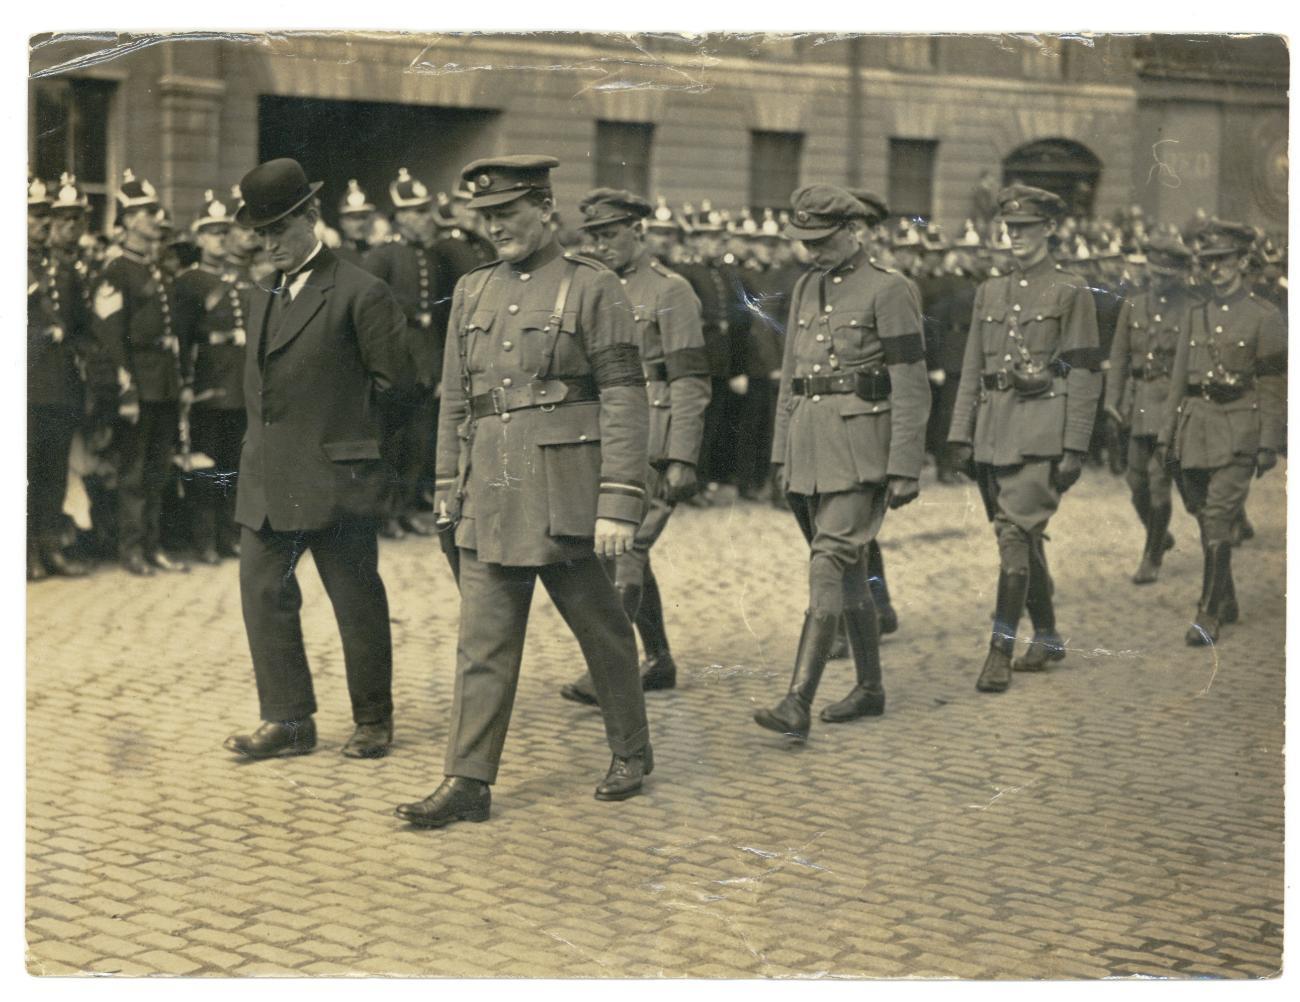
(1225, 417)
(356, 218)
(667, 317)
(541, 467)
(850, 439)
(1024, 414)
(410, 267)
(133, 323)
(1137, 386)
(1109, 293)
(211, 321)
(58, 327)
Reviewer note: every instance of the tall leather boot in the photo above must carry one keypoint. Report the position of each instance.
(1204, 631)
(646, 610)
(1157, 542)
(867, 699)
(880, 589)
(793, 715)
(1047, 644)
(1228, 611)
(995, 676)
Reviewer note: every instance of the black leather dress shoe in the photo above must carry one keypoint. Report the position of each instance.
(35, 566)
(229, 550)
(417, 526)
(659, 672)
(457, 799)
(134, 563)
(57, 562)
(390, 528)
(626, 775)
(209, 555)
(370, 740)
(275, 739)
(580, 691)
(163, 562)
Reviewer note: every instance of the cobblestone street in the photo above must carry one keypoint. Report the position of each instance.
(1120, 815)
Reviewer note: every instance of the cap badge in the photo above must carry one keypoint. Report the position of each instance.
(484, 181)
(801, 216)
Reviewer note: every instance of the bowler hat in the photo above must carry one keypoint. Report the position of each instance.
(273, 190)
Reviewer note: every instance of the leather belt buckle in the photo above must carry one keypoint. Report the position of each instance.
(497, 397)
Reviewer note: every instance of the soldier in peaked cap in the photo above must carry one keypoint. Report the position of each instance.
(356, 214)
(210, 319)
(58, 332)
(324, 361)
(542, 466)
(1137, 386)
(134, 325)
(671, 342)
(410, 265)
(1226, 413)
(1024, 413)
(850, 431)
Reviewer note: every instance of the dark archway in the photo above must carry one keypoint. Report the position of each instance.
(1061, 166)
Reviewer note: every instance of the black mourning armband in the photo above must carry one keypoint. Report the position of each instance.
(1089, 359)
(687, 362)
(1273, 365)
(617, 365)
(904, 349)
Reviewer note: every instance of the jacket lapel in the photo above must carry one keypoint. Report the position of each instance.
(260, 306)
(308, 302)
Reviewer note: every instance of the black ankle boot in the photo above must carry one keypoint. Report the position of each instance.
(867, 699)
(995, 676)
(658, 670)
(792, 716)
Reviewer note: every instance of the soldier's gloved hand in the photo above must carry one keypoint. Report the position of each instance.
(1265, 460)
(613, 538)
(1068, 470)
(777, 473)
(903, 490)
(681, 481)
(963, 457)
(739, 384)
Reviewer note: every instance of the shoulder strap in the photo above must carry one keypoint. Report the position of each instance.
(557, 316)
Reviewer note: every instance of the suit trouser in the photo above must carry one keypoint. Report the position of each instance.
(757, 423)
(219, 434)
(1217, 498)
(943, 401)
(838, 527)
(494, 605)
(406, 446)
(347, 558)
(144, 464)
(49, 441)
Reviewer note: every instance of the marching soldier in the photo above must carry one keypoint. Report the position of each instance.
(1137, 387)
(1024, 414)
(356, 214)
(210, 319)
(408, 263)
(58, 327)
(671, 342)
(850, 437)
(1226, 414)
(541, 466)
(133, 324)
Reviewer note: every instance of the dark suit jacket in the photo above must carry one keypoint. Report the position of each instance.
(311, 454)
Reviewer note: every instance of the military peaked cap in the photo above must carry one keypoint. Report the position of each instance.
(611, 205)
(498, 180)
(1219, 237)
(818, 210)
(1167, 255)
(1020, 203)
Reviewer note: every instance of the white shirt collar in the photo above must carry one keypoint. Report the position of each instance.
(297, 279)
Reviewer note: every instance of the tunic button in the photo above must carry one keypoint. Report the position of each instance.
(656, 401)
(1024, 283)
(507, 381)
(1006, 358)
(821, 337)
(817, 368)
(1157, 318)
(507, 345)
(505, 418)
(837, 280)
(1225, 307)
(1163, 300)
(1016, 307)
(829, 308)
(1218, 329)
(623, 281)
(512, 308)
(524, 276)
(1191, 344)
(582, 438)
(1039, 317)
(816, 397)
(1241, 344)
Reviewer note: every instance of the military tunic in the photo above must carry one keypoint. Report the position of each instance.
(1226, 403)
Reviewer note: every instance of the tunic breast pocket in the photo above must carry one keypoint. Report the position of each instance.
(1042, 328)
(1238, 350)
(478, 340)
(992, 331)
(854, 337)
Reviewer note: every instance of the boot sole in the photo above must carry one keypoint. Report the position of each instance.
(657, 685)
(575, 696)
(284, 753)
(621, 794)
(475, 816)
(772, 724)
(365, 752)
(844, 720)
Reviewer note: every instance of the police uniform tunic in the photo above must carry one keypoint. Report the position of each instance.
(133, 325)
(1227, 402)
(544, 430)
(1138, 380)
(840, 448)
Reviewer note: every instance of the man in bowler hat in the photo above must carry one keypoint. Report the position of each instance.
(324, 349)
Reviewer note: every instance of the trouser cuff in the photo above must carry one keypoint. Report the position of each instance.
(468, 768)
(632, 745)
(288, 711)
(375, 713)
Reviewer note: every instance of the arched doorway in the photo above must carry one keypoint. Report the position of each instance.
(1061, 166)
